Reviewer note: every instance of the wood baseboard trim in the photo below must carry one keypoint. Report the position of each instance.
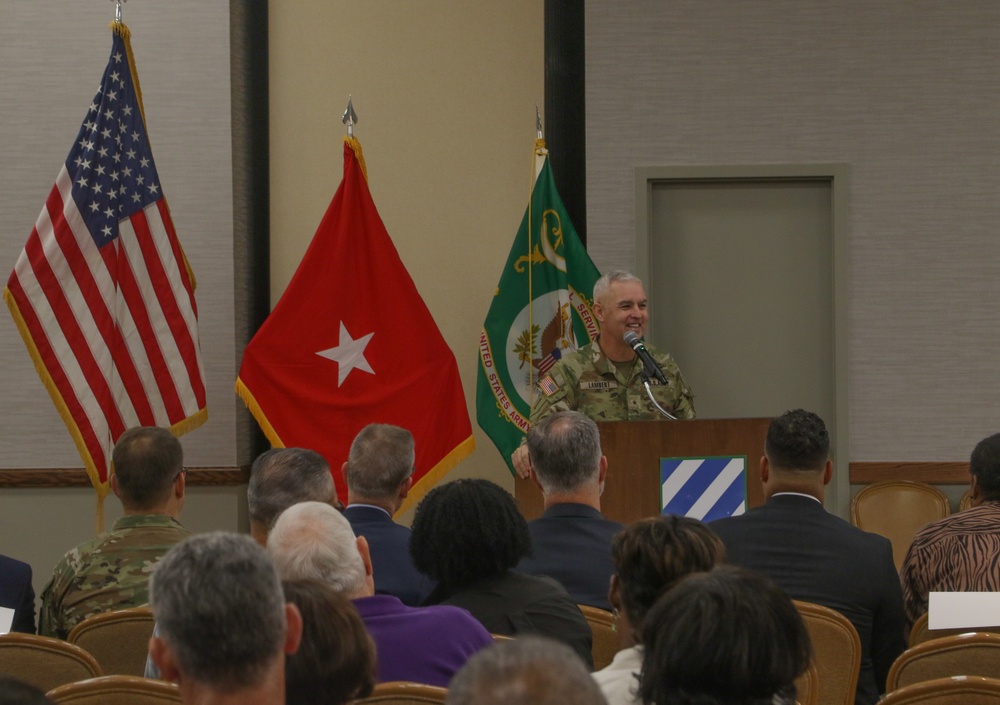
(77, 477)
(931, 473)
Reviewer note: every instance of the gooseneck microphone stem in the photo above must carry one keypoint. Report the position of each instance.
(649, 393)
(649, 364)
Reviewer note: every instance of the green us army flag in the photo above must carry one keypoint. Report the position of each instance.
(542, 309)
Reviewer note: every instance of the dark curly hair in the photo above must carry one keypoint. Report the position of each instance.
(652, 554)
(726, 637)
(985, 465)
(797, 440)
(465, 531)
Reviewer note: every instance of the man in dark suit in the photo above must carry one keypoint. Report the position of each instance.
(815, 556)
(17, 594)
(378, 474)
(571, 541)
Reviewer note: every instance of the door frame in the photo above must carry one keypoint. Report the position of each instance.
(837, 175)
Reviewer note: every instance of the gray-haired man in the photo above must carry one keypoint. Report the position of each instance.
(224, 626)
(572, 539)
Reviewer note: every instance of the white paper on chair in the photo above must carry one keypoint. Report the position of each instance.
(958, 610)
(6, 619)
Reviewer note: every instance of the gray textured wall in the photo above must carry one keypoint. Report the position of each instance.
(907, 94)
(52, 56)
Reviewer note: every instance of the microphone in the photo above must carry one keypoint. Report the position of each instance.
(652, 369)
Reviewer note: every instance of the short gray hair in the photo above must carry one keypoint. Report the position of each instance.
(565, 451)
(282, 477)
(220, 608)
(602, 285)
(380, 460)
(312, 540)
(528, 670)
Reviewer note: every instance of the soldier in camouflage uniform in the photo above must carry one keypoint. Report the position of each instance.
(604, 379)
(112, 571)
(588, 381)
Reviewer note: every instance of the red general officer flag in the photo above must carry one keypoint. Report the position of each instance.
(102, 294)
(350, 343)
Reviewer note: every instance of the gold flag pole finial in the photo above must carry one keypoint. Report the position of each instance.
(118, 10)
(350, 117)
(538, 123)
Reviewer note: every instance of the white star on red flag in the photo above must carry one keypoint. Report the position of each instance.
(349, 354)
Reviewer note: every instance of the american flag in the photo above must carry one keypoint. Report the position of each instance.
(102, 293)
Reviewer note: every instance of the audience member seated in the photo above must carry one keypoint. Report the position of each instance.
(378, 474)
(280, 478)
(15, 692)
(420, 644)
(529, 670)
(224, 624)
(650, 556)
(468, 535)
(335, 662)
(571, 541)
(815, 556)
(16, 593)
(112, 571)
(727, 637)
(960, 553)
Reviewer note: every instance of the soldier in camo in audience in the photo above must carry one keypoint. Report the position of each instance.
(604, 379)
(112, 571)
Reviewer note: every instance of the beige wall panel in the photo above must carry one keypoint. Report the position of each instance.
(906, 94)
(445, 93)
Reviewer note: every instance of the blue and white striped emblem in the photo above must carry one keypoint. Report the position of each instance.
(704, 488)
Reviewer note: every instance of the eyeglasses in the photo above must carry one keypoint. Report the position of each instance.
(184, 471)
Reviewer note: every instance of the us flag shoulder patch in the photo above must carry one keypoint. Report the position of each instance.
(548, 385)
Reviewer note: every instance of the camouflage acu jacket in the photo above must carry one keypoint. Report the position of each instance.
(109, 572)
(589, 382)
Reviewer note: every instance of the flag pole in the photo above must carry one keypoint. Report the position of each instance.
(118, 26)
(539, 140)
(350, 118)
(118, 10)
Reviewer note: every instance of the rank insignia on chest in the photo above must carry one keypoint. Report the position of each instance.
(599, 384)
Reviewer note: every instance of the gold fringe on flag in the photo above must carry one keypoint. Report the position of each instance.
(426, 483)
(57, 399)
(247, 396)
(356, 146)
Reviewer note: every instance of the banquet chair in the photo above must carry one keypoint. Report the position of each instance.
(836, 653)
(897, 509)
(957, 690)
(920, 632)
(975, 654)
(605, 635)
(807, 686)
(404, 693)
(119, 640)
(116, 690)
(45, 662)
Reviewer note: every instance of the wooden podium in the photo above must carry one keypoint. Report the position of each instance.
(634, 449)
